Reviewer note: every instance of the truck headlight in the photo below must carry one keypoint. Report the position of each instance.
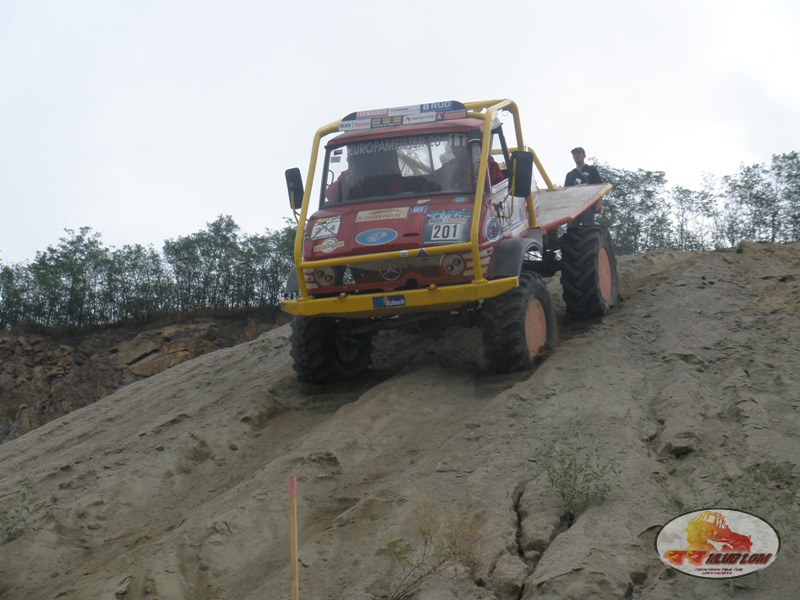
(453, 264)
(324, 275)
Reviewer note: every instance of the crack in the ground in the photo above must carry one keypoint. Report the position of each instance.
(532, 555)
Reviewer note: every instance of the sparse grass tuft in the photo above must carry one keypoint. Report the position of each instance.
(442, 542)
(14, 521)
(578, 474)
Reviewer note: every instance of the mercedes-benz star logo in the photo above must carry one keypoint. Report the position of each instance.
(390, 270)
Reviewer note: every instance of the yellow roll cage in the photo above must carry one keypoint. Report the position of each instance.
(433, 296)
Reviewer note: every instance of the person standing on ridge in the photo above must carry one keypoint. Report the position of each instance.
(583, 174)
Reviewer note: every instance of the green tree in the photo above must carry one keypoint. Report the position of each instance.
(637, 209)
(784, 172)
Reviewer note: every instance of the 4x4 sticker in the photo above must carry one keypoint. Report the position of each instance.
(325, 227)
(375, 237)
(717, 543)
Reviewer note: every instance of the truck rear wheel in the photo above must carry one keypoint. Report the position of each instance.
(518, 326)
(324, 351)
(588, 272)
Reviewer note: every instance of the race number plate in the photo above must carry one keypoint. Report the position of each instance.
(446, 232)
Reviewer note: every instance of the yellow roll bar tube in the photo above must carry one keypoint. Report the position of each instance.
(474, 110)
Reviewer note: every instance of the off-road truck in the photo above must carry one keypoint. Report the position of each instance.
(428, 216)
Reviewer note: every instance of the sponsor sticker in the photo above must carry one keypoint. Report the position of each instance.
(375, 237)
(415, 210)
(448, 216)
(420, 118)
(717, 543)
(385, 122)
(382, 214)
(492, 229)
(328, 245)
(423, 201)
(446, 226)
(459, 200)
(438, 106)
(380, 112)
(389, 301)
(355, 125)
(325, 227)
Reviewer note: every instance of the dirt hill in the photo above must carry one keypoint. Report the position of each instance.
(176, 486)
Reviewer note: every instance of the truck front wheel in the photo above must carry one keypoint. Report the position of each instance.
(588, 272)
(324, 351)
(518, 326)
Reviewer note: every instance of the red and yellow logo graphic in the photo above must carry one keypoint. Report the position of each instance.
(717, 543)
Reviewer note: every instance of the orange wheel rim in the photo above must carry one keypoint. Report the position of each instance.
(604, 273)
(535, 327)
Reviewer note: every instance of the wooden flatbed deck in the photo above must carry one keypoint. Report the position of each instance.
(564, 204)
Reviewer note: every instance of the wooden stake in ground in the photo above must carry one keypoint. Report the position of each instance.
(293, 536)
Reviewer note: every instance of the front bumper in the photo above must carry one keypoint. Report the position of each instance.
(429, 299)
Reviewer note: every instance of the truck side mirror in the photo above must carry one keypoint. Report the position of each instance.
(294, 183)
(521, 175)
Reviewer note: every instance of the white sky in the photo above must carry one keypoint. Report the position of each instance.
(145, 120)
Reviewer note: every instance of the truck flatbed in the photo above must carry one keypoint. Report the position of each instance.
(561, 205)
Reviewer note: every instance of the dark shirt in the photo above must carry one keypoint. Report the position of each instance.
(587, 174)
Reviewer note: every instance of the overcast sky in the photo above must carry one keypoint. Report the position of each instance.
(145, 120)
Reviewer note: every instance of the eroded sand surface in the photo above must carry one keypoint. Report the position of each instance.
(176, 486)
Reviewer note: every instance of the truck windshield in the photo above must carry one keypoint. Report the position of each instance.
(377, 169)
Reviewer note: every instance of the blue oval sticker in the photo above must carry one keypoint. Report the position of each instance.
(376, 237)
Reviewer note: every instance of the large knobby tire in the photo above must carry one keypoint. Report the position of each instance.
(518, 326)
(588, 272)
(324, 352)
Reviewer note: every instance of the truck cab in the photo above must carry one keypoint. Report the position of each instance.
(401, 189)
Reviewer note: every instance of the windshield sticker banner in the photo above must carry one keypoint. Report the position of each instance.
(382, 214)
(403, 115)
(717, 543)
(446, 226)
(407, 143)
(325, 227)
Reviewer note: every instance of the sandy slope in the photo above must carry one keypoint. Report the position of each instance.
(176, 486)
